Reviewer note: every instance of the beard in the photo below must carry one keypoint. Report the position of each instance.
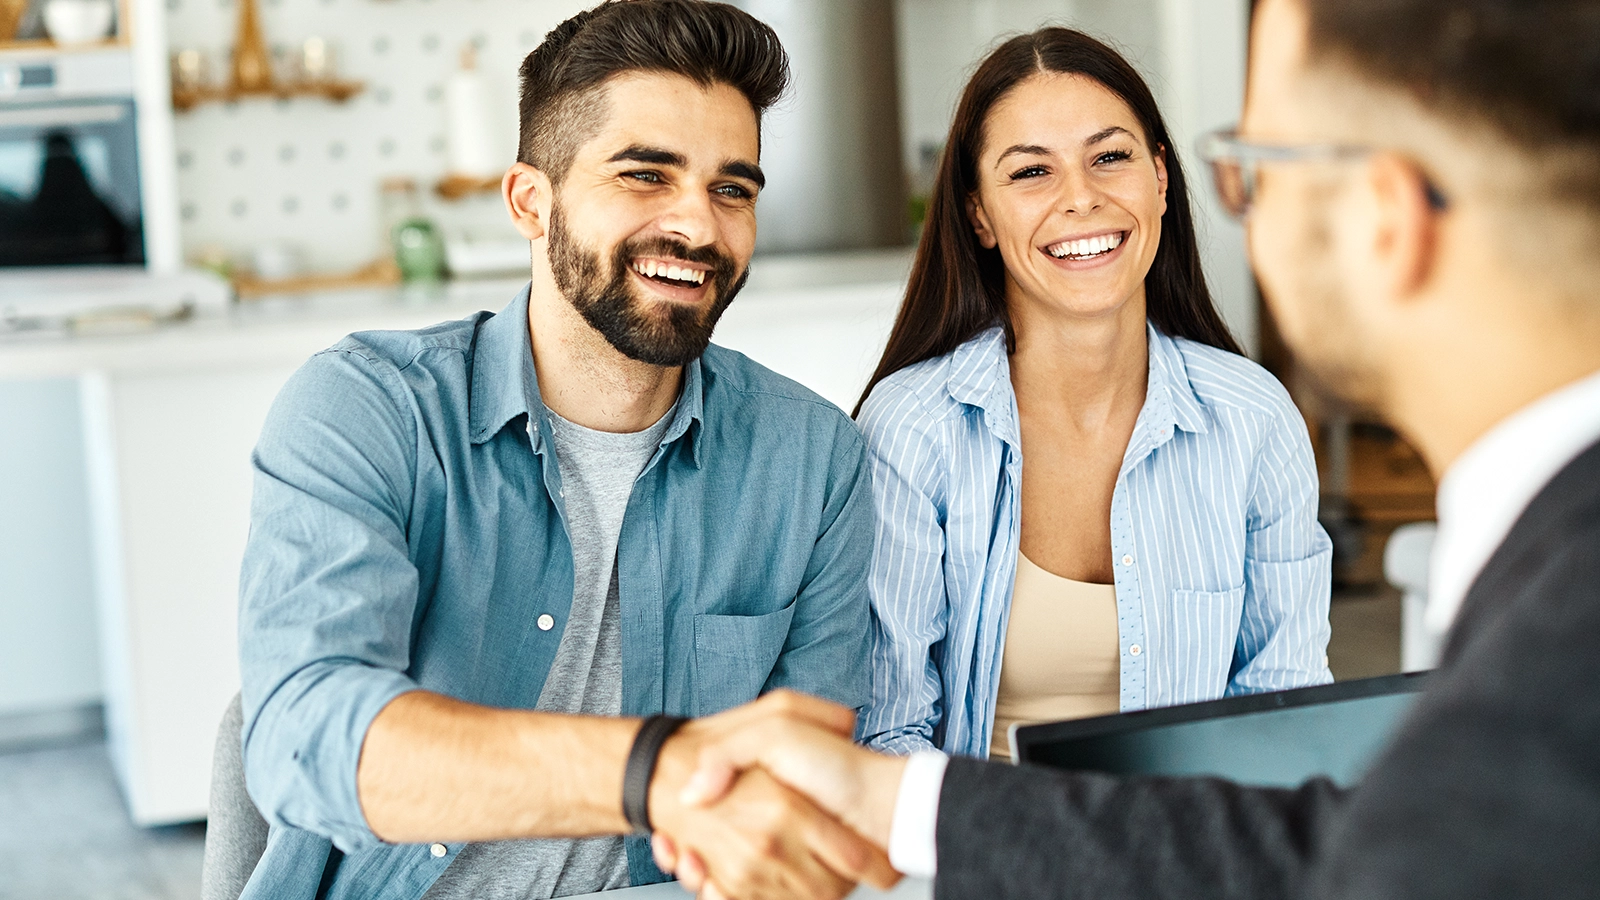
(660, 333)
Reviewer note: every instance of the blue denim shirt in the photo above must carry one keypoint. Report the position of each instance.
(407, 531)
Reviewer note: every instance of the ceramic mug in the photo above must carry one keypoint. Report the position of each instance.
(79, 21)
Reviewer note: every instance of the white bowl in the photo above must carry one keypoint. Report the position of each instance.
(79, 21)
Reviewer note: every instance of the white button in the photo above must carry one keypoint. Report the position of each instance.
(547, 622)
(1127, 560)
(1135, 650)
(438, 850)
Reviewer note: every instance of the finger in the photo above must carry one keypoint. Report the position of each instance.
(665, 852)
(844, 852)
(712, 892)
(840, 720)
(710, 782)
(691, 870)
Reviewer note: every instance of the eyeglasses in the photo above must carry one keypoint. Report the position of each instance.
(1235, 165)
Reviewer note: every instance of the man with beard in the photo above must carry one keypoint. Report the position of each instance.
(1421, 181)
(481, 553)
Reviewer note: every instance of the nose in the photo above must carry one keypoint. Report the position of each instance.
(691, 217)
(1079, 195)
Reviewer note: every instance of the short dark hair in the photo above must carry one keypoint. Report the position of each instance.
(709, 43)
(957, 287)
(1528, 69)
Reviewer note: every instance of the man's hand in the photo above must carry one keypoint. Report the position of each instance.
(756, 838)
(804, 743)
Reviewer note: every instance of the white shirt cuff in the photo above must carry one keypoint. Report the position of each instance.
(913, 838)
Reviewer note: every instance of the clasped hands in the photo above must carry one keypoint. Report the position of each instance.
(772, 800)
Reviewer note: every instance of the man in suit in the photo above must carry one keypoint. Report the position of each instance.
(1421, 180)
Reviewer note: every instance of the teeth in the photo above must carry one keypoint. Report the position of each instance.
(652, 269)
(1085, 247)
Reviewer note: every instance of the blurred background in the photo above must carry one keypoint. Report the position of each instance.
(195, 195)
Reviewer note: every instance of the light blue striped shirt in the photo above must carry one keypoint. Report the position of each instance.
(1222, 572)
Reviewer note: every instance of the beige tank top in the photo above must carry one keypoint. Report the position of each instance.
(1061, 659)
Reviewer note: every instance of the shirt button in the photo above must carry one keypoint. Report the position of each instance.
(547, 622)
(1135, 650)
(438, 850)
(1127, 560)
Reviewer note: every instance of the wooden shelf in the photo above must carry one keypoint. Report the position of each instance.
(455, 187)
(381, 273)
(47, 45)
(184, 99)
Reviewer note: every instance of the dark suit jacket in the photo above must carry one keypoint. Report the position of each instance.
(1491, 788)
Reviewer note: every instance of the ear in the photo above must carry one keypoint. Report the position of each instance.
(1160, 158)
(980, 222)
(1405, 241)
(528, 195)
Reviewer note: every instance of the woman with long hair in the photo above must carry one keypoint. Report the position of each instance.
(1088, 499)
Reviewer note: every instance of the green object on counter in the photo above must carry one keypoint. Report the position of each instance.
(418, 250)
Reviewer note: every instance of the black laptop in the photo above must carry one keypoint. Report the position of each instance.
(1281, 738)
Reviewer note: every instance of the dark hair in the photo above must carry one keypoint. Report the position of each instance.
(957, 287)
(710, 43)
(1529, 69)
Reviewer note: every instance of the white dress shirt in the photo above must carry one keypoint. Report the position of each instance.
(1480, 498)
(1485, 491)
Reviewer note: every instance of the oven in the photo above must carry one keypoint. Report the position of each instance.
(69, 164)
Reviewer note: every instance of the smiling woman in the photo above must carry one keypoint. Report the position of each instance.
(1088, 500)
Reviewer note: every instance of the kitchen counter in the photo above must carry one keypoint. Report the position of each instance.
(171, 412)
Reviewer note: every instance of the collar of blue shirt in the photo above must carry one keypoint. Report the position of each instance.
(980, 377)
(507, 387)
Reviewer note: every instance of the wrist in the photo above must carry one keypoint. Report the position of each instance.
(880, 788)
(639, 773)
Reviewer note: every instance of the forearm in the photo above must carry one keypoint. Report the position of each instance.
(437, 769)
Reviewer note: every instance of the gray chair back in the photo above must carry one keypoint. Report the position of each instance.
(236, 834)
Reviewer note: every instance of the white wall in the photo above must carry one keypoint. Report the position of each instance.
(49, 656)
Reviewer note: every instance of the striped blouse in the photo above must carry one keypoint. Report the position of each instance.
(1222, 573)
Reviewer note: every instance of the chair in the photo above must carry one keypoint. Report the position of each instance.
(236, 834)
(1405, 565)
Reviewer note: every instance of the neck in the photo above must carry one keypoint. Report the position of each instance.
(584, 379)
(1471, 376)
(1090, 370)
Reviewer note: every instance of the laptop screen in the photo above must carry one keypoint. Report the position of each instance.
(1281, 738)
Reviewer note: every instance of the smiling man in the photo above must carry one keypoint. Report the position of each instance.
(482, 553)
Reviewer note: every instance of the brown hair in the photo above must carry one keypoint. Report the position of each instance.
(1529, 69)
(710, 43)
(957, 287)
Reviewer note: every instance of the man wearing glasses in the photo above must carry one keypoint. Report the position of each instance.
(1421, 182)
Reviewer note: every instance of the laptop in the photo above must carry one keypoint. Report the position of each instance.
(1281, 738)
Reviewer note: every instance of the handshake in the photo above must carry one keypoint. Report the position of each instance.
(773, 800)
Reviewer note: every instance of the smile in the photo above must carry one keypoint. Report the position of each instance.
(1087, 248)
(670, 272)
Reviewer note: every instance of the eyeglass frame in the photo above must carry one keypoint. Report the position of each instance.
(1223, 146)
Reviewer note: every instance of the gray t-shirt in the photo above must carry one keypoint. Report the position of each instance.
(598, 471)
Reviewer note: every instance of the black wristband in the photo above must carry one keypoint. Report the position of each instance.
(641, 768)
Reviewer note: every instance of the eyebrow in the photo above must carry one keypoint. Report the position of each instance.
(657, 156)
(1037, 150)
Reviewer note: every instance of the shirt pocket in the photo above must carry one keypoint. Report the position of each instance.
(734, 656)
(1205, 628)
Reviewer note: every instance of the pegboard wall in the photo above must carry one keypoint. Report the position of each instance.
(305, 173)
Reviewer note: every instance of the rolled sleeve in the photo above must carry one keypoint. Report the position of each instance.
(328, 590)
(1284, 629)
(909, 608)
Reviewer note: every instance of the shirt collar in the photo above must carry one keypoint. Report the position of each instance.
(1487, 488)
(980, 377)
(505, 384)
